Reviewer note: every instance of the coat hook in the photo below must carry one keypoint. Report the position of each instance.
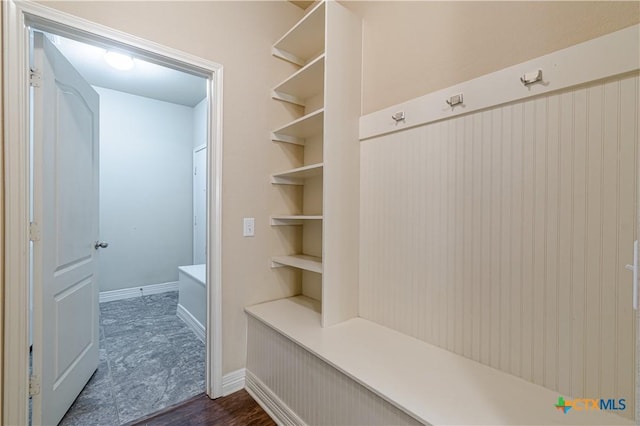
(531, 77)
(398, 116)
(455, 100)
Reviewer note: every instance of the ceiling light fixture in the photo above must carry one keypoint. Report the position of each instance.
(119, 61)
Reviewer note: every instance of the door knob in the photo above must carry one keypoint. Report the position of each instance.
(101, 244)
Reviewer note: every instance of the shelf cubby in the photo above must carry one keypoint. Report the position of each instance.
(305, 40)
(300, 261)
(298, 130)
(297, 176)
(304, 84)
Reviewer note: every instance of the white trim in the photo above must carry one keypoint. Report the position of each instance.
(48, 19)
(16, 211)
(145, 290)
(214, 236)
(195, 325)
(233, 382)
(269, 401)
(16, 16)
(612, 54)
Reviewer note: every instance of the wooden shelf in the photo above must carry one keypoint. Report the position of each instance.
(298, 130)
(305, 40)
(304, 84)
(300, 261)
(292, 219)
(297, 176)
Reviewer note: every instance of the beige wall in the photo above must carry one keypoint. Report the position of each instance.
(414, 48)
(239, 36)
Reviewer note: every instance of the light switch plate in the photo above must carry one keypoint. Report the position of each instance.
(249, 227)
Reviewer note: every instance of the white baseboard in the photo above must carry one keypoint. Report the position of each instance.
(233, 382)
(192, 323)
(269, 401)
(145, 290)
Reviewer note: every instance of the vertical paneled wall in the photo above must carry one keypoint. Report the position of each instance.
(502, 235)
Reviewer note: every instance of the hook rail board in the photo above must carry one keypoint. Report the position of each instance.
(613, 54)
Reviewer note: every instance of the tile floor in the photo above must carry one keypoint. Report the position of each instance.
(149, 360)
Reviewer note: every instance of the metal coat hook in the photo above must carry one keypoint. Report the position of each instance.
(455, 100)
(398, 116)
(531, 77)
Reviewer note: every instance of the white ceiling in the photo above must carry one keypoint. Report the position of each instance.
(145, 79)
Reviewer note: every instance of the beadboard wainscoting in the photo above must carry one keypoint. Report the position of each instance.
(296, 387)
(502, 235)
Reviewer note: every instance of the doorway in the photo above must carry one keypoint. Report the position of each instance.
(149, 116)
(19, 16)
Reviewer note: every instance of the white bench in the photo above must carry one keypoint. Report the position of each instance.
(432, 385)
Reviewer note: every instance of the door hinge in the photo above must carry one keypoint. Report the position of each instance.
(34, 231)
(34, 385)
(35, 78)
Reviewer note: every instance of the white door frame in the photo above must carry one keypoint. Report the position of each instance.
(17, 15)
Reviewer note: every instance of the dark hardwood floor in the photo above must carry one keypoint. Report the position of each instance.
(234, 410)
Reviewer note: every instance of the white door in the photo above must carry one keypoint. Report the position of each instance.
(65, 214)
(199, 205)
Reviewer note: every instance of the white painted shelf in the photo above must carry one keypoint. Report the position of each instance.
(300, 261)
(304, 127)
(425, 381)
(304, 84)
(305, 40)
(292, 219)
(297, 176)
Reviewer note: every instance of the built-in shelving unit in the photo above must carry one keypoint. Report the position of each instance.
(327, 46)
